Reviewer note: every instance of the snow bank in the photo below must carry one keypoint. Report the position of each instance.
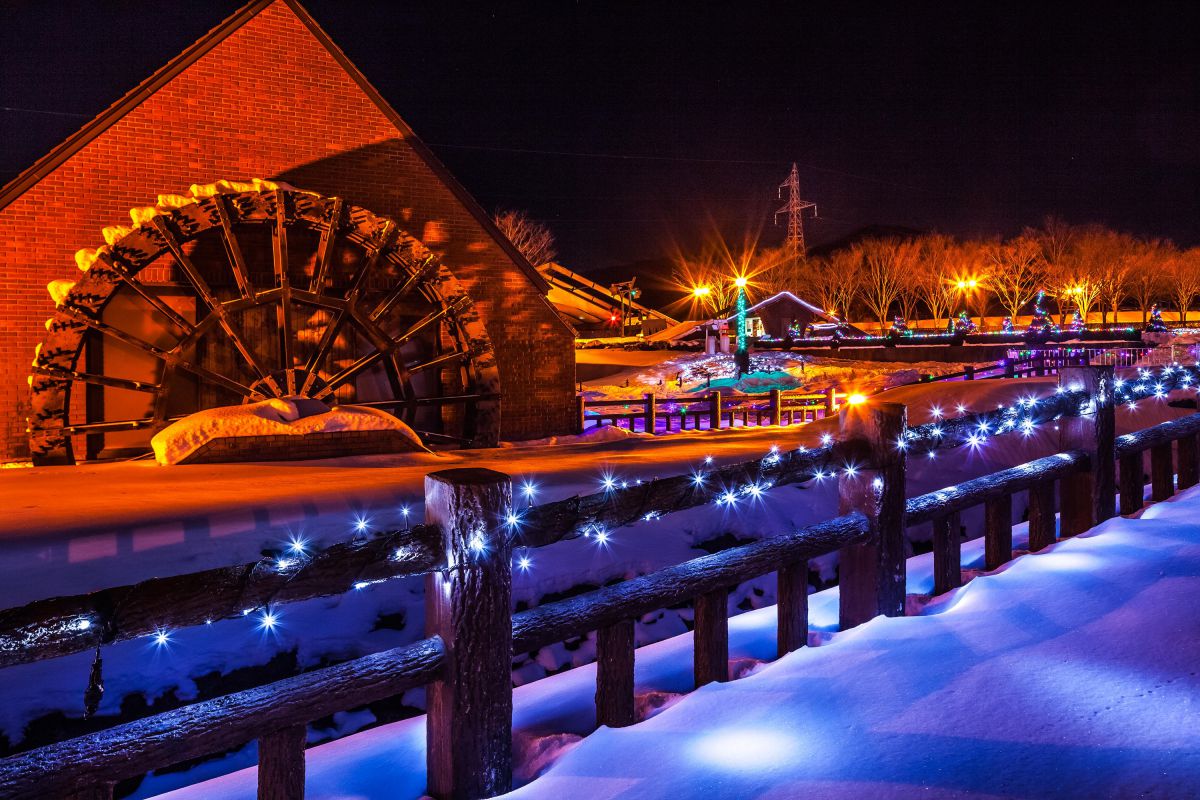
(291, 416)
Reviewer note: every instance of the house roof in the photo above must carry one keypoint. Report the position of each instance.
(147, 88)
(782, 296)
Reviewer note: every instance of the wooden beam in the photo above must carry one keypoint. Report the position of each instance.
(1189, 467)
(1088, 498)
(213, 726)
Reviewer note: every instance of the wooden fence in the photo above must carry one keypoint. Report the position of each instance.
(464, 550)
(715, 410)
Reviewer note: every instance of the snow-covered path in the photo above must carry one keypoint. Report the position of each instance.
(1071, 673)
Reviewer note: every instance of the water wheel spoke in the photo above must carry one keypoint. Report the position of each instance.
(453, 355)
(322, 350)
(326, 247)
(237, 263)
(402, 290)
(370, 358)
(367, 265)
(115, 426)
(283, 311)
(96, 380)
(142, 291)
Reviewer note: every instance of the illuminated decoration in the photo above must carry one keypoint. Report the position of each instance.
(1006, 325)
(1156, 324)
(899, 328)
(964, 324)
(1077, 323)
(414, 333)
(1040, 324)
(856, 399)
(742, 356)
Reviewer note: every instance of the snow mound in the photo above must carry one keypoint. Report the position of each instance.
(291, 416)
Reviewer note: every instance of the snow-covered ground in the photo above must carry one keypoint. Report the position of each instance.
(678, 373)
(71, 530)
(1070, 673)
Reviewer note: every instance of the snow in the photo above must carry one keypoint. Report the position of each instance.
(290, 416)
(129, 521)
(771, 370)
(1057, 675)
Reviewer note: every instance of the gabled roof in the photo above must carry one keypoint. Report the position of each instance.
(781, 296)
(147, 88)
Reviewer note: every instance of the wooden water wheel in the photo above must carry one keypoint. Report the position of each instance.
(243, 292)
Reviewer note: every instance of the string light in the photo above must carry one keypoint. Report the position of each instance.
(361, 523)
(297, 546)
(523, 563)
(268, 620)
(161, 637)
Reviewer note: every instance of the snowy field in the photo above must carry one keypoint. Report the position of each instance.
(1070, 673)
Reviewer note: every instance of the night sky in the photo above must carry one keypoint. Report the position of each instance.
(633, 129)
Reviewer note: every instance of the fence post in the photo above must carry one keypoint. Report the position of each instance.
(776, 407)
(791, 595)
(1162, 475)
(651, 410)
(468, 604)
(997, 532)
(1133, 483)
(1010, 369)
(969, 372)
(947, 553)
(580, 413)
(1088, 498)
(710, 658)
(281, 764)
(1188, 467)
(1042, 524)
(614, 675)
(714, 410)
(830, 401)
(872, 574)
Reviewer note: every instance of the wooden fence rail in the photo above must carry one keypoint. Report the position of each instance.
(464, 551)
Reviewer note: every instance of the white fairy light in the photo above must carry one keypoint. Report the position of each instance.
(297, 546)
(268, 620)
(161, 637)
(826, 438)
(361, 523)
(523, 563)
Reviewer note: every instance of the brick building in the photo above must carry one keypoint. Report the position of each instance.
(266, 94)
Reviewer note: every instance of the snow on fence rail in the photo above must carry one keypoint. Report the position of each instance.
(472, 530)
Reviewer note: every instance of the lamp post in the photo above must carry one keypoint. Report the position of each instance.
(742, 357)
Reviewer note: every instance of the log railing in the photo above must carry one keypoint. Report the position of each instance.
(714, 410)
(464, 550)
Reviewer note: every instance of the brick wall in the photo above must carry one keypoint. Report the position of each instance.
(270, 101)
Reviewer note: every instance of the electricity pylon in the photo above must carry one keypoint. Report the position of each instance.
(793, 245)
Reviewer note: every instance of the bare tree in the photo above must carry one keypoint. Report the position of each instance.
(1184, 275)
(883, 276)
(1147, 282)
(1017, 271)
(531, 238)
(933, 277)
(835, 281)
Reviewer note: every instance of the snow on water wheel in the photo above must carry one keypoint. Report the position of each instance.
(245, 291)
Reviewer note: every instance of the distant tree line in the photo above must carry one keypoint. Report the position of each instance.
(933, 277)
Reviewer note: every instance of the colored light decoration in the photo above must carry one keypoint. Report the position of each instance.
(743, 355)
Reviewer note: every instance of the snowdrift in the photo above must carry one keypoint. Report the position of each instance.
(262, 423)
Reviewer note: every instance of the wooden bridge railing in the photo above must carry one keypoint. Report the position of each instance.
(465, 553)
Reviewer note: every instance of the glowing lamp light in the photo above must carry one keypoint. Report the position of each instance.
(740, 281)
(701, 291)
(856, 399)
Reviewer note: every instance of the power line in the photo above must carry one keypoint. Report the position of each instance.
(43, 111)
